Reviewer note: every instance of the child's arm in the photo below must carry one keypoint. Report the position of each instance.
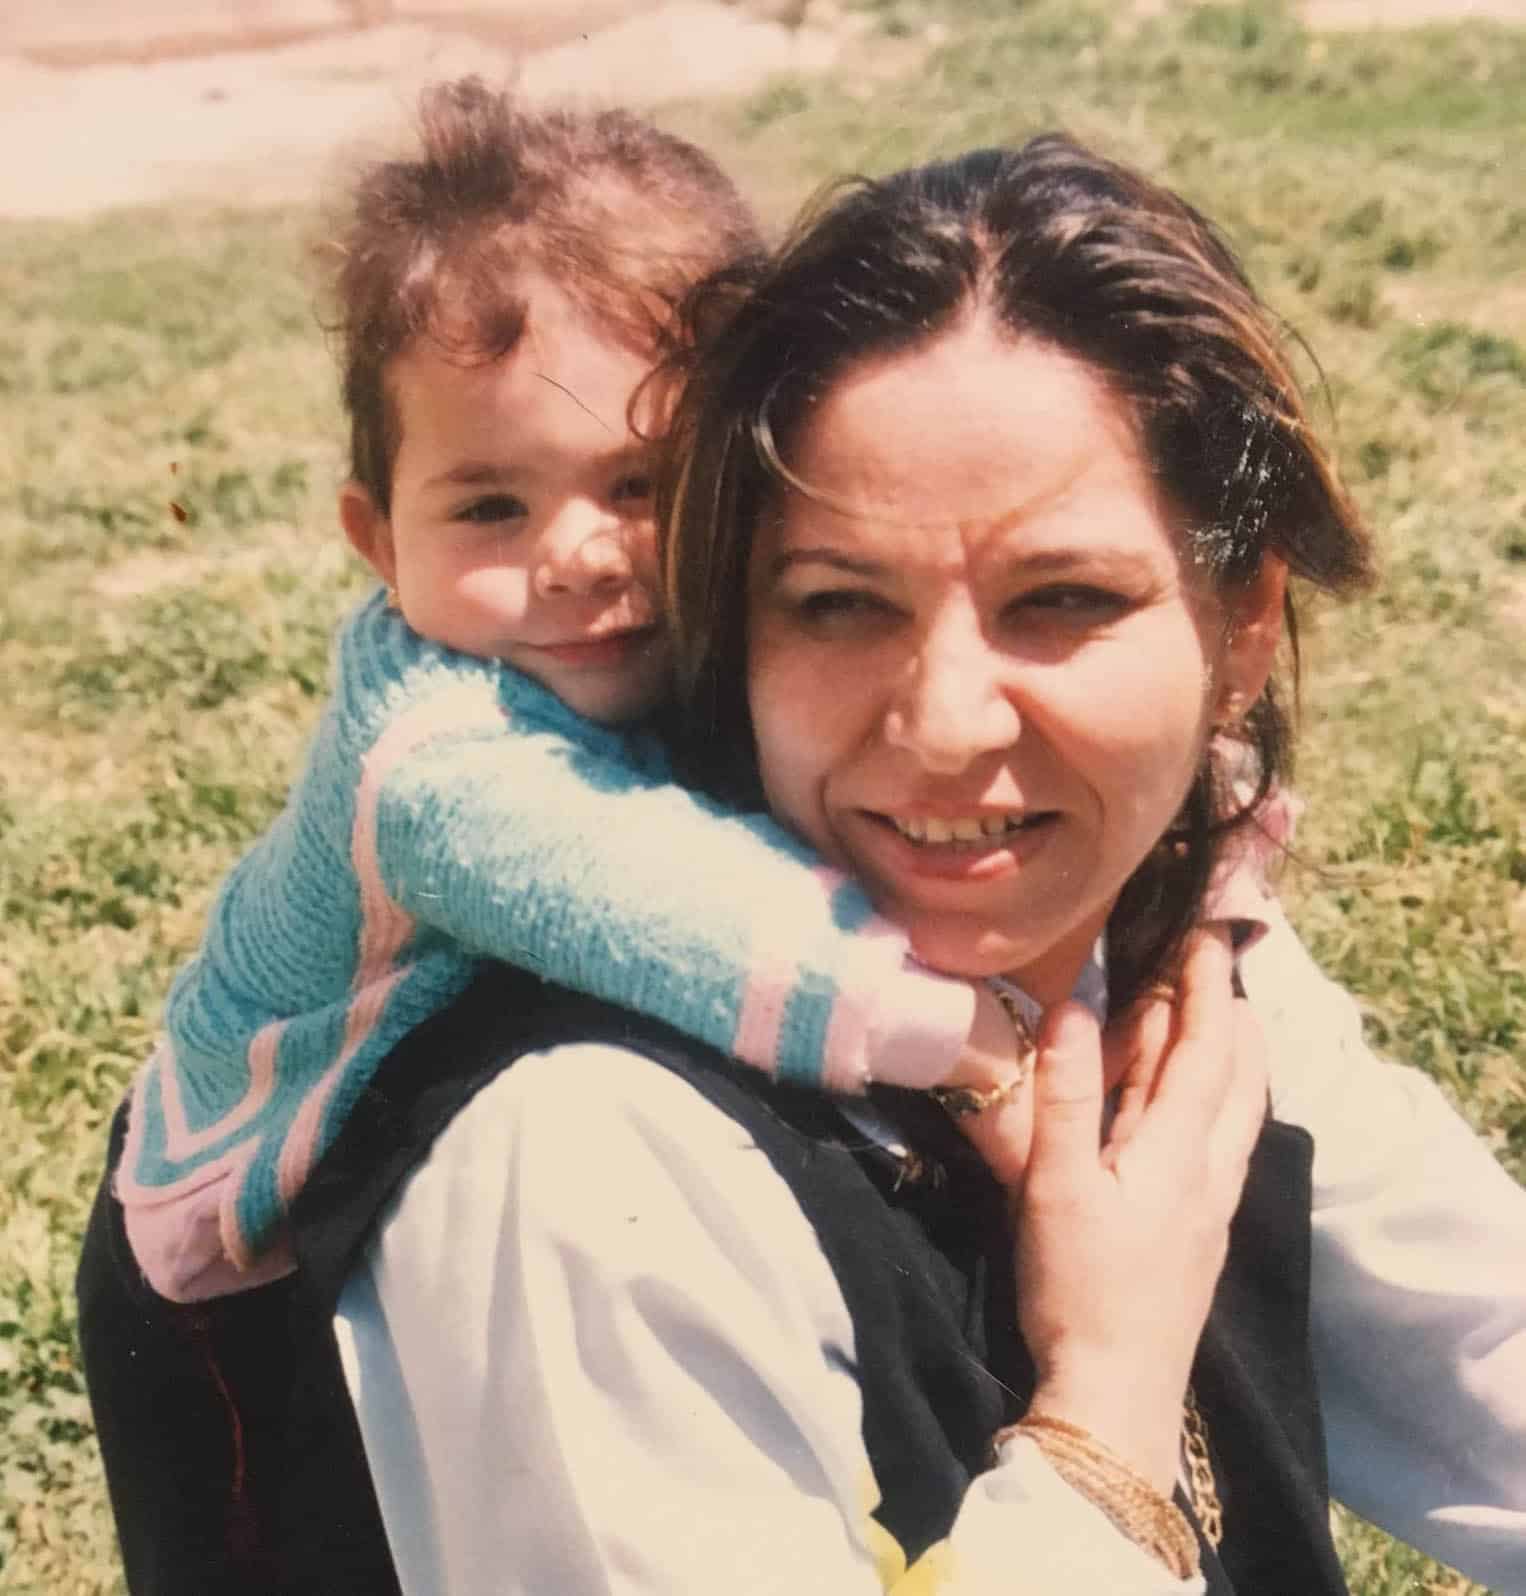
(550, 849)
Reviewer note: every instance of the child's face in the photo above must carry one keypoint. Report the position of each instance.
(521, 525)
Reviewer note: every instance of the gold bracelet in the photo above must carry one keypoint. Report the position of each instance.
(962, 1101)
(1152, 1521)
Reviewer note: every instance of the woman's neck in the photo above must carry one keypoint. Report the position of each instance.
(1072, 969)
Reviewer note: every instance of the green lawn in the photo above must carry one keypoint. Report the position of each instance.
(169, 451)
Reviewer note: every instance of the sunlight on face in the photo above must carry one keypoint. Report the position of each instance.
(521, 521)
(980, 676)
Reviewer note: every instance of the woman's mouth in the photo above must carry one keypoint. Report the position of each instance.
(965, 833)
(957, 848)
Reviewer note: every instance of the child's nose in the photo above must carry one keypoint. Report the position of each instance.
(583, 553)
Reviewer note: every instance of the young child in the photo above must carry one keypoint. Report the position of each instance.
(503, 296)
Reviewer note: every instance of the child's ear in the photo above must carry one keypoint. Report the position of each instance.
(1255, 630)
(369, 531)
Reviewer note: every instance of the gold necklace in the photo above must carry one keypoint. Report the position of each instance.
(1206, 1507)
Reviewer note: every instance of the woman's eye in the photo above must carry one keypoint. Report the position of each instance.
(840, 607)
(492, 509)
(634, 487)
(1074, 599)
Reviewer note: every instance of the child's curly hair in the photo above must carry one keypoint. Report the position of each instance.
(621, 216)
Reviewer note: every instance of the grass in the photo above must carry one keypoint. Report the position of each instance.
(169, 450)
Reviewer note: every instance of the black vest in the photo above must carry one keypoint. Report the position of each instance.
(924, 1262)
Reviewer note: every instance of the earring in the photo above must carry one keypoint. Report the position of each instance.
(393, 601)
(1231, 713)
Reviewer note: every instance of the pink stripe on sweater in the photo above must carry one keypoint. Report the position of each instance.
(179, 1247)
(895, 1022)
(845, 1063)
(770, 984)
(831, 879)
(852, 1037)
(762, 1014)
(180, 1141)
(123, 1184)
(845, 1068)
(385, 927)
(302, 1141)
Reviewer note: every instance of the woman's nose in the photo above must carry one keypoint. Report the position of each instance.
(955, 705)
(582, 552)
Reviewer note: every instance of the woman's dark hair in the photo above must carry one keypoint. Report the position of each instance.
(622, 216)
(1056, 244)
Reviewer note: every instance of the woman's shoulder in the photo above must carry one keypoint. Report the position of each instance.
(573, 1106)
(1377, 1125)
(592, 1152)
(594, 1284)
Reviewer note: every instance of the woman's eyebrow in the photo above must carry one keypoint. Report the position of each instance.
(823, 555)
(1046, 562)
(1065, 561)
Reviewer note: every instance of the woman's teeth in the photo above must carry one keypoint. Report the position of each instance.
(972, 832)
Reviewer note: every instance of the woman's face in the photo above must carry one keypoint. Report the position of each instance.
(981, 674)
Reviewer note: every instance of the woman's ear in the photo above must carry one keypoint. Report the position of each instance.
(369, 531)
(1255, 630)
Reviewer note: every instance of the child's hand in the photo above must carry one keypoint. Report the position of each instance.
(995, 1050)
(992, 1057)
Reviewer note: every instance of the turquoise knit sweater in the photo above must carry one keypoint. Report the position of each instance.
(451, 810)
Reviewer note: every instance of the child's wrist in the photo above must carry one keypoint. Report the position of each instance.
(919, 1027)
(999, 1041)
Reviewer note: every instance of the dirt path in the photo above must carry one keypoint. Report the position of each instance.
(251, 99)
(1407, 13)
(257, 113)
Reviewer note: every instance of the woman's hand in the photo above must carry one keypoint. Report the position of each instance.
(1120, 1246)
(1134, 1047)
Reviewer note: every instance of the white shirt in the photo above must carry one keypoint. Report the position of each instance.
(1419, 1281)
(617, 1361)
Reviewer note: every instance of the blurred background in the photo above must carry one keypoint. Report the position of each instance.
(170, 448)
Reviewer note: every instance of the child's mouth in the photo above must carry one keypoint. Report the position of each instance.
(610, 648)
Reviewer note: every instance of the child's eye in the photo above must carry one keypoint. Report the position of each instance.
(633, 487)
(491, 509)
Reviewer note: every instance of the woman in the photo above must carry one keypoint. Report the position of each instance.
(988, 498)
